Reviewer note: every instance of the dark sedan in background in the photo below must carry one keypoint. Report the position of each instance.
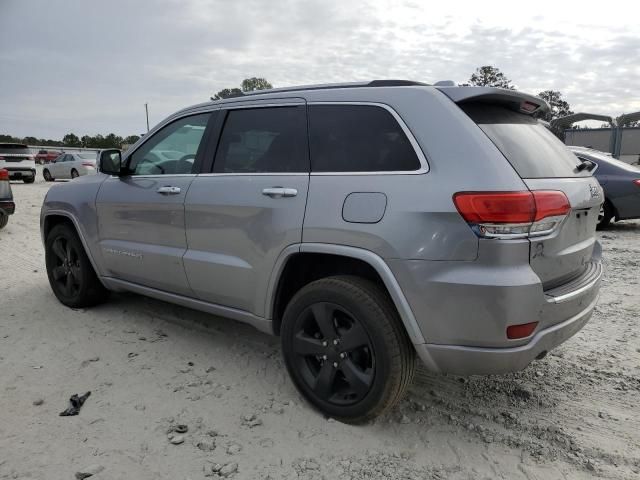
(620, 182)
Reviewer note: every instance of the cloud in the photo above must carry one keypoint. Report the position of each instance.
(89, 66)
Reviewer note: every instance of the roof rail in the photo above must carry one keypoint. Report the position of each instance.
(326, 86)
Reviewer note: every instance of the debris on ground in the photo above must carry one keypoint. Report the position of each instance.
(251, 420)
(89, 471)
(76, 402)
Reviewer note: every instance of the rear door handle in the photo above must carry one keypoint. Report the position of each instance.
(167, 190)
(277, 192)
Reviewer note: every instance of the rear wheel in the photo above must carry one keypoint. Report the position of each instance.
(605, 215)
(74, 173)
(346, 349)
(71, 276)
(4, 219)
(29, 179)
(47, 176)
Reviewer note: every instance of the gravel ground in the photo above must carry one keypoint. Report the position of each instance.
(152, 367)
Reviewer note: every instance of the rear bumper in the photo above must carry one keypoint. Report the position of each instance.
(461, 360)
(463, 309)
(20, 172)
(7, 207)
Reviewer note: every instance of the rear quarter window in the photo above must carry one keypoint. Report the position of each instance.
(358, 138)
(532, 150)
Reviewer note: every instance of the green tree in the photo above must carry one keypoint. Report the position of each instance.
(559, 106)
(488, 76)
(131, 139)
(71, 140)
(247, 85)
(227, 92)
(254, 83)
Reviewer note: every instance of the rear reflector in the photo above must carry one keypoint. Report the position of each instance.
(4, 174)
(521, 331)
(512, 214)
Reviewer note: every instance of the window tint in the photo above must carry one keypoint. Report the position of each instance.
(263, 140)
(532, 150)
(172, 150)
(358, 138)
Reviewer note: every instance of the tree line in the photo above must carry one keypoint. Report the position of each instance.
(72, 140)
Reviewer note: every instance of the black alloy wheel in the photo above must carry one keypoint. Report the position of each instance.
(334, 354)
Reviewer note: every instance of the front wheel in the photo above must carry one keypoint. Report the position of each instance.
(71, 275)
(346, 349)
(47, 176)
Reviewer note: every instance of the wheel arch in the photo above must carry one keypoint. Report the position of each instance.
(292, 272)
(57, 217)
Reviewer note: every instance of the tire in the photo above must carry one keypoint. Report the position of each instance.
(29, 179)
(368, 379)
(4, 219)
(71, 276)
(605, 216)
(47, 176)
(74, 174)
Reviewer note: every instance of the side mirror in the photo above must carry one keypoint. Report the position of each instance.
(110, 162)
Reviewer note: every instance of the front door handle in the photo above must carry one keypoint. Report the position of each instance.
(167, 190)
(277, 192)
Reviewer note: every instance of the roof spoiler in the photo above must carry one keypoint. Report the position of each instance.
(512, 99)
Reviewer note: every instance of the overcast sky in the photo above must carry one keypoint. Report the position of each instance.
(88, 66)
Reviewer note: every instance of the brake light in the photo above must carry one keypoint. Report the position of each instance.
(4, 174)
(512, 214)
(88, 164)
(637, 182)
(521, 331)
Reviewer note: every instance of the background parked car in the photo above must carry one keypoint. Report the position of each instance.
(18, 160)
(620, 182)
(45, 156)
(6, 198)
(70, 165)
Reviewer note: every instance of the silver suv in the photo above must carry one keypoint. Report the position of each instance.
(362, 223)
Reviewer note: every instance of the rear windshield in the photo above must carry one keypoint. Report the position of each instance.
(532, 150)
(88, 156)
(12, 148)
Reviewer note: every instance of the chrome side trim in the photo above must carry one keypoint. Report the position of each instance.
(424, 164)
(400, 301)
(259, 323)
(250, 174)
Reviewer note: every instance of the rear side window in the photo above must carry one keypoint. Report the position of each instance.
(358, 138)
(532, 150)
(263, 140)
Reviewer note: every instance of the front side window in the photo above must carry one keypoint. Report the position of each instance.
(172, 150)
(263, 140)
(358, 138)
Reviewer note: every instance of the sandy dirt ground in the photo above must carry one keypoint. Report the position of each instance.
(151, 366)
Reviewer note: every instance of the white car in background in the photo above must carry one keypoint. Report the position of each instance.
(70, 165)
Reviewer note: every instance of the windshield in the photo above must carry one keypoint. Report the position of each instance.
(532, 150)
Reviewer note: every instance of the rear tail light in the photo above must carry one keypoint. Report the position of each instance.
(1, 157)
(521, 331)
(4, 174)
(88, 164)
(637, 182)
(513, 214)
